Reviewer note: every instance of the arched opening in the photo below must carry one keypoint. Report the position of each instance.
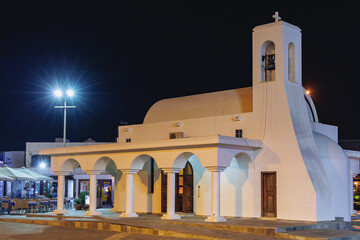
(105, 179)
(292, 62)
(184, 190)
(268, 61)
(72, 166)
(146, 185)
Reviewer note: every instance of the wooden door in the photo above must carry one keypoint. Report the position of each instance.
(184, 185)
(268, 190)
(187, 203)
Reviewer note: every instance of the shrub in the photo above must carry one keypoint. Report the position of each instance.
(82, 196)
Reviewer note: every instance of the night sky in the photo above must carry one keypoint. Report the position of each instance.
(123, 56)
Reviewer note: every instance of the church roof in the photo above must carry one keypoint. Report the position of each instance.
(201, 105)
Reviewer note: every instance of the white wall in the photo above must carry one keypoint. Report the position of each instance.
(33, 148)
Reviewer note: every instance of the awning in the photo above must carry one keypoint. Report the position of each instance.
(36, 175)
(15, 174)
(4, 178)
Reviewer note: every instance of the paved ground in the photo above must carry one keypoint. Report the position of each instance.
(15, 231)
(189, 226)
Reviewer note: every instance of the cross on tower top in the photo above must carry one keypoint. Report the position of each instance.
(276, 16)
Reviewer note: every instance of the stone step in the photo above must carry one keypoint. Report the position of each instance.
(312, 234)
(187, 232)
(196, 230)
(270, 231)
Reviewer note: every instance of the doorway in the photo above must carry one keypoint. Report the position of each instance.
(184, 190)
(268, 194)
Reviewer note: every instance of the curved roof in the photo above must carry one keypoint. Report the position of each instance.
(328, 149)
(201, 105)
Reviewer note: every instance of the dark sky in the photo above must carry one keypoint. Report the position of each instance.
(123, 56)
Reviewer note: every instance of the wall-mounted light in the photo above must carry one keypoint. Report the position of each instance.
(237, 118)
(177, 124)
(127, 129)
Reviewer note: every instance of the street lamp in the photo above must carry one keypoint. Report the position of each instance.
(69, 93)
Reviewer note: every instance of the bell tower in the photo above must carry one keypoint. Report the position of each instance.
(276, 52)
(276, 66)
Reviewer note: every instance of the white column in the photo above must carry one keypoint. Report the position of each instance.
(215, 195)
(129, 173)
(60, 193)
(93, 192)
(170, 214)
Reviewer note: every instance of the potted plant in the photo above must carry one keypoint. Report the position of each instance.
(81, 200)
(78, 204)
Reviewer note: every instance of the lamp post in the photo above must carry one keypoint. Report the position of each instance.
(69, 93)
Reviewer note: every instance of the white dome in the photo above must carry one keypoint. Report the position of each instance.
(337, 167)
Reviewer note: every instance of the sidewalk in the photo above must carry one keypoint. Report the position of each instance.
(192, 226)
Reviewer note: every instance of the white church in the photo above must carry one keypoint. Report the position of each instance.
(251, 152)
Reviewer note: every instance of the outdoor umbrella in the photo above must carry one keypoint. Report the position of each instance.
(5, 178)
(15, 174)
(36, 175)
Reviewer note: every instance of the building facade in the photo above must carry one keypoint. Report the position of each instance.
(42, 164)
(251, 152)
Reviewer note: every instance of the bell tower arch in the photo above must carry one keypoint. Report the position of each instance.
(276, 63)
(276, 52)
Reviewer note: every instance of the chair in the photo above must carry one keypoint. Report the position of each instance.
(53, 204)
(44, 205)
(33, 205)
(37, 207)
(69, 203)
(20, 205)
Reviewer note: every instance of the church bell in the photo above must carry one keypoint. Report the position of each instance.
(269, 61)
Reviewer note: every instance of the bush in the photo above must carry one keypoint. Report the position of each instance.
(82, 196)
(50, 196)
(356, 198)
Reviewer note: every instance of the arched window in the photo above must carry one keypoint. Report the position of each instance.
(292, 62)
(268, 61)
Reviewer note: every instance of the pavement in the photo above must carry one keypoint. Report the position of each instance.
(16, 231)
(110, 226)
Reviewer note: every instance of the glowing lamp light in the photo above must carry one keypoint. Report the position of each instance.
(308, 92)
(58, 93)
(70, 92)
(42, 165)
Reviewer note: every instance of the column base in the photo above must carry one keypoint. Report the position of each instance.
(170, 216)
(60, 212)
(215, 219)
(92, 213)
(113, 210)
(128, 215)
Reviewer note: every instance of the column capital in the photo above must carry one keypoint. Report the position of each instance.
(93, 172)
(129, 171)
(171, 170)
(61, 173)
(215, 168)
